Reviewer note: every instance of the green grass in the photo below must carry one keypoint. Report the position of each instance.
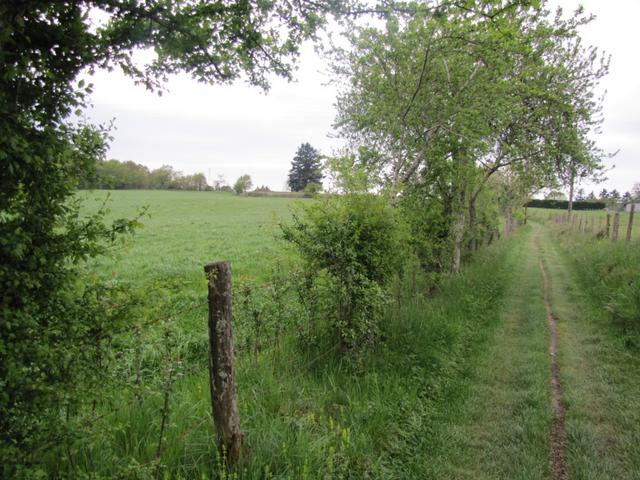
(457, 387)
(186, 230)
(305, 412)
(599, 363)
(502, 430)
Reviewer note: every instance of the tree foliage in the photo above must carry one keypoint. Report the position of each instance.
(306, 168)
(243, 184)
(452, 98)
(113, 174)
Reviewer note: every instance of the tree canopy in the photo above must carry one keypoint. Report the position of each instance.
(243, 184)
(447, 100)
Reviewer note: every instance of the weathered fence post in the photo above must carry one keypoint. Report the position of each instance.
(222, 374)
(630, 224)
(616, 226)
(608, 227)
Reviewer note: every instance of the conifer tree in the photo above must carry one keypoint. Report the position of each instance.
(305, 168)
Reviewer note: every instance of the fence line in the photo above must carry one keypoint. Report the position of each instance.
(607, 227)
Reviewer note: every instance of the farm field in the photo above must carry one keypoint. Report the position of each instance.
(185, 230)
(459, 386)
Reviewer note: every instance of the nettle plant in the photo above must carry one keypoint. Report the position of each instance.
(352, 246)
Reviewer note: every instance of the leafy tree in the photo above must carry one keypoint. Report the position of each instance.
(43, 236)
(456, 97)
(635, 191)
(243, 184)
(555, 195)
(615, 194)
(604, 194)
(305, 168)
(163, 177)
(626, 198)
(219, 183)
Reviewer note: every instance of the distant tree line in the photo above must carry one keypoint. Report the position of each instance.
(563, 204)
(613, 195)
(116, 175)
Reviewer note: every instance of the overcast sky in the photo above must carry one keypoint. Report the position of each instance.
(233, 130)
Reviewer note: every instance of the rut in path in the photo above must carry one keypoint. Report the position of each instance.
(557, 454)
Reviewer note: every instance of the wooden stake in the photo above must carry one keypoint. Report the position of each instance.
(222, 374)
(630, 224)
(616, 226)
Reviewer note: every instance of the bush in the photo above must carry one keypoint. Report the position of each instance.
(352, 246)
(312, 189)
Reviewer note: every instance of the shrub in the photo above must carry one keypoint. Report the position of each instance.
(353, 246)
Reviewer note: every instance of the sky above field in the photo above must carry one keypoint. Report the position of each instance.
(237, 129)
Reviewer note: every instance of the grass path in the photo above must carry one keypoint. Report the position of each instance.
(601, 381)
(554, 394)
(503, 429)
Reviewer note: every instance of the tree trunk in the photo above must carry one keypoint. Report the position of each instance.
(473, 220)
(508, 221)
(571, 182)
(458, 238)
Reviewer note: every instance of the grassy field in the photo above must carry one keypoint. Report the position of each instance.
(305, 413)
(186, 230)
(456, 387)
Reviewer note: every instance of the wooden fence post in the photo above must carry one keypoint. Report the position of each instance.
(608, 227)
(630, 224)
(616, 226)
(222, 374)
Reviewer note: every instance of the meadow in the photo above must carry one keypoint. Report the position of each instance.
(183, 231)
(306, 412)
(428, 401)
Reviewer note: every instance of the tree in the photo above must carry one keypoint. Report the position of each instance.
(163, 177)
(635, 191)
(43, 236)
(219, 183)
(456, 97)
(555, 195)
(243, 184)
(305, 168)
